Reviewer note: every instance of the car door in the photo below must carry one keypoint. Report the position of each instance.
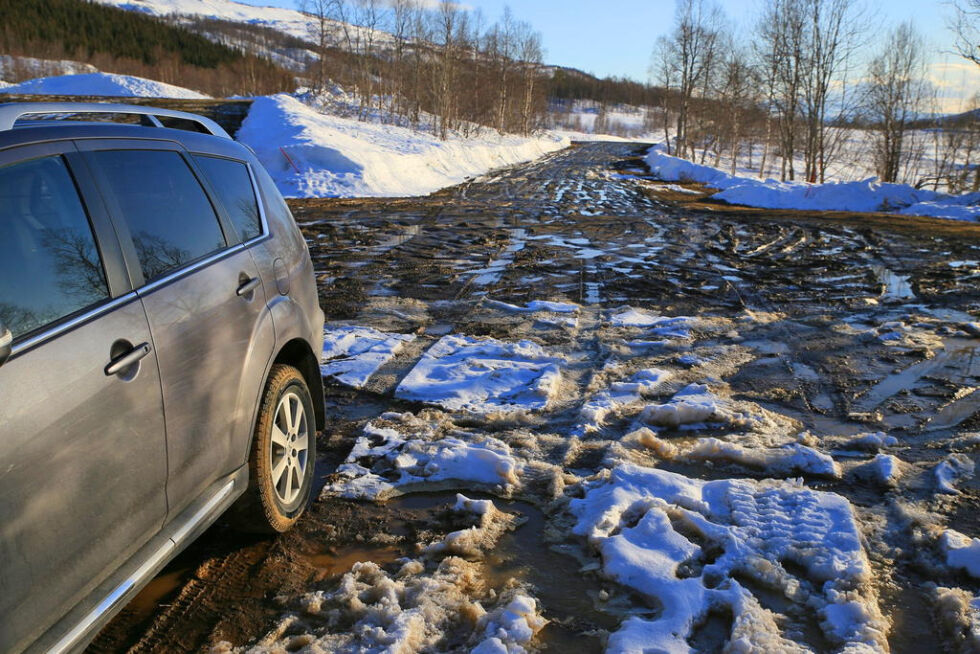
(83, 459)
(203, 300)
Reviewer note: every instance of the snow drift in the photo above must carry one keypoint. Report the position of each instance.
(865, 196)
(310, 154)
(108, 84)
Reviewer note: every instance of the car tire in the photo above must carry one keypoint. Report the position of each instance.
(283, 455)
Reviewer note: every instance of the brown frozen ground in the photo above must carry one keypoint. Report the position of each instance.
(865, 323)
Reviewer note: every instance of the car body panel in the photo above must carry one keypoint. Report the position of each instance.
(212, 351)
(69, 474)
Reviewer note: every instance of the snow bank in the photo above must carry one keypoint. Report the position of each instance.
(483, 375)
(865, 196)
(681, 542)
(310, 154)
(352, 354)
(103, 84)
(400, 449)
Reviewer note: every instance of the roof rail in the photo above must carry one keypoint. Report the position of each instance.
(11, 112)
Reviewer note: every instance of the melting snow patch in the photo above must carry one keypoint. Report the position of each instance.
(955, 468)
(352, 354)
(884, 469)
(961, 551)
(385, 459)
(473, 541)
(412, 610)
(695, 406)
(665, 326)
(870, 442)
(682, 542)
(535, 306)
(620, 395)
(483, 375)
(789, 459)
(958, 614)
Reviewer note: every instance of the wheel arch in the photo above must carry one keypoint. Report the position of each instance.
(297, 353)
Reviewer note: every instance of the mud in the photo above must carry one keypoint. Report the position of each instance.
(859, 322)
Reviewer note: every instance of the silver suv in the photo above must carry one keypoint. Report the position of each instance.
(158, 358)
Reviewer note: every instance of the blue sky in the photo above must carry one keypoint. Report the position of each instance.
(616, 37)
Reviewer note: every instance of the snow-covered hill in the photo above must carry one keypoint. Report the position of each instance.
(288, 21)
(107, 84)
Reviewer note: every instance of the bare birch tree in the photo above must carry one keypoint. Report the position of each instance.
(894, 98)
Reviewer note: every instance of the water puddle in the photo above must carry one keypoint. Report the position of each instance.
(333, 563)
(908, 377)
(967, 403)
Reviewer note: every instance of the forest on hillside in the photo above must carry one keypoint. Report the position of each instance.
(127, 42)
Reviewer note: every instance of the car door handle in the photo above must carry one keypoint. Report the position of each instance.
(124, 361)
(248, 286)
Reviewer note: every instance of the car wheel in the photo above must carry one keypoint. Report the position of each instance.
(283, 455)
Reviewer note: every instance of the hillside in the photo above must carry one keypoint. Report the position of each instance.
(133, 43)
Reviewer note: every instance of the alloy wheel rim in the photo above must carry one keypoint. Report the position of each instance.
(288, 456)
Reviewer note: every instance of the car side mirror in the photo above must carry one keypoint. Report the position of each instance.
(6, 342)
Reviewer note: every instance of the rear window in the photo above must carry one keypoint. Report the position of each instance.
(170, 218)
(234, 187)
(49, 264)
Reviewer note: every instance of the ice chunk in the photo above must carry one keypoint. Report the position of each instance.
(483, 375)
(884, 469)
(668, 327)
(413, 451)
(697, 406)
(961, 551)
(619, 396)
(535, 306)
(955, 468)
(789, 459)
(352, 354)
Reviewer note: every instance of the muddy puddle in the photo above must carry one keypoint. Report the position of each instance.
(568, 596)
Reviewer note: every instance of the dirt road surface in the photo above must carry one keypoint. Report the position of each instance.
(836, 325)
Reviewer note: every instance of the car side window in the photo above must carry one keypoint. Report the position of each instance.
(50, 266)
(233, 185)
(278, 208)
(170, 218)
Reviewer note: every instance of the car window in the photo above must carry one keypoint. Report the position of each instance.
(233, 185)
(169, 216)
(49, 263)
(277, 207)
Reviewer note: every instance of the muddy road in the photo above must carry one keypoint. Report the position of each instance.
(849, 338)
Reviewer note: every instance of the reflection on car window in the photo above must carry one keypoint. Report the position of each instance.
(170, 218)
(49, 264)
(234, 187)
